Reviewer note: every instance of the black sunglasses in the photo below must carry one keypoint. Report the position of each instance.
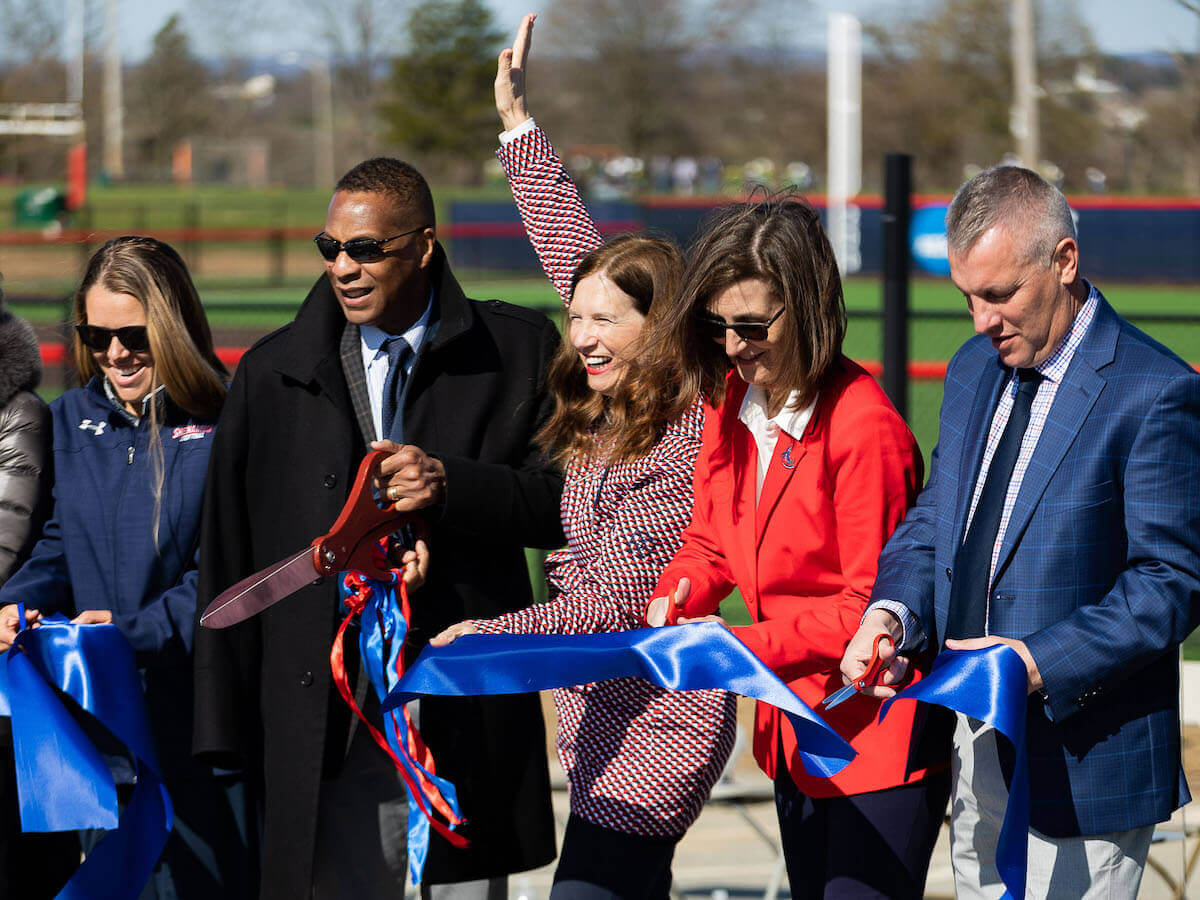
(132, 337)
(747, 331)
(359, 249)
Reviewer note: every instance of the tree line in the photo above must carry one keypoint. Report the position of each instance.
(716, 79)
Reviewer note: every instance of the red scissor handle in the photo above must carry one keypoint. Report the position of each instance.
(351, 541)
(874, 668)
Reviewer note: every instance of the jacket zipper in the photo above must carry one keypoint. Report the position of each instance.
(129, 461)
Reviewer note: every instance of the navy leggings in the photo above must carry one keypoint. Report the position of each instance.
(598, 863)
(875, 844)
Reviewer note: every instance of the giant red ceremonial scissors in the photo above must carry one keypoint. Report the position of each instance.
(350, 544)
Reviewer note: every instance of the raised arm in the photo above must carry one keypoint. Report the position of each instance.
(554, 215)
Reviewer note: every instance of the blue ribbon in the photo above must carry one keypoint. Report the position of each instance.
(990, 685)
(690, 657)
(63, 783)
(380, 643)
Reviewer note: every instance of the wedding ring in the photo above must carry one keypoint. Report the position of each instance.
(393, 493)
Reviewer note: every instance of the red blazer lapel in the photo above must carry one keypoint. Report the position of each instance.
(744, 513)
(788, 452)
(744, 455)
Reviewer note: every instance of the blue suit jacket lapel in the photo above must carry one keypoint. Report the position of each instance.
(1076, 396)
(987, 394)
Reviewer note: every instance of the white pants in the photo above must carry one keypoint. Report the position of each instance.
(1095, 866)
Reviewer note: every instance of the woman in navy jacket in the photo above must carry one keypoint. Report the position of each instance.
(130, 455)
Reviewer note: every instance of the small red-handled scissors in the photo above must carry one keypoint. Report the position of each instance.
(350, 544)
(872, 675)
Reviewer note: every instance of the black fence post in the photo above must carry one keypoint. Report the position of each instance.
(897, 179)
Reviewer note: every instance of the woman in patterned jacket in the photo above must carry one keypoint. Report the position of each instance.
(640, 760)
(805, 469)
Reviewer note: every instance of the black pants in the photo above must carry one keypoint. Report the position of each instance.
(876, 844)
(598, 863)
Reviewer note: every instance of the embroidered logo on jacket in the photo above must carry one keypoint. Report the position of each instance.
(191, 432)
(96, 428)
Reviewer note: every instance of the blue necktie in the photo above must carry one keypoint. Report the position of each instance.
(973, 562)
(397, 349)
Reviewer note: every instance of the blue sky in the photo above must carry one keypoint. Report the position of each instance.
(1119, 26)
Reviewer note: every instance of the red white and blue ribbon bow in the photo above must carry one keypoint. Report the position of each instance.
(384, 611)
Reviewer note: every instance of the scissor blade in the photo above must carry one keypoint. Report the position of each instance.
(840, 695)
(252, 595)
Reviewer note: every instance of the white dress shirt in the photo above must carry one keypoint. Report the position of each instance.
(375, 360)
(765, 429)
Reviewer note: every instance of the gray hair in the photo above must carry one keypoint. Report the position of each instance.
(1015, 197)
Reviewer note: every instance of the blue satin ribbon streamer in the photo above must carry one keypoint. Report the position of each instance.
(63, 783)
(690, 657)
(380, 642)
(990, 685)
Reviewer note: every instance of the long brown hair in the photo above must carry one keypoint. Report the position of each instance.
(181, 346)
(627, 425)
(780, 240)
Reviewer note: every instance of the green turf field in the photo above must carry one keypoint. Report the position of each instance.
(138, 207)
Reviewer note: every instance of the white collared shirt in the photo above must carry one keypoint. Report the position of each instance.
(765, 429)
(375, 359)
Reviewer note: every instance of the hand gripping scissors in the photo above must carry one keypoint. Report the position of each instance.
(871, 676)
(350, 544)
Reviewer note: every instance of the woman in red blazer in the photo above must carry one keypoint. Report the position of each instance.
(804, 471)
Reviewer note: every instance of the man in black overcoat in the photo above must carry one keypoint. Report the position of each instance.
(305, 406)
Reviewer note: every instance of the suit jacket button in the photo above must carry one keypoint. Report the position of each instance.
(330, 481)
(306, 679)
(948, 573)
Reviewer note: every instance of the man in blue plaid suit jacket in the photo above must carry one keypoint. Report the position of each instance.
(1095, 571)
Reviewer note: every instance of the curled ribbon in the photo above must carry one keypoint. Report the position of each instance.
(691, 657)
(63, 783)
(990, 685)
(383, 625)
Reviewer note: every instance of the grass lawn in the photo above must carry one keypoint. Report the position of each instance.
(138, 207)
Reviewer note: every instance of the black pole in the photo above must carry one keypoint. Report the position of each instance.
(897, 179)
